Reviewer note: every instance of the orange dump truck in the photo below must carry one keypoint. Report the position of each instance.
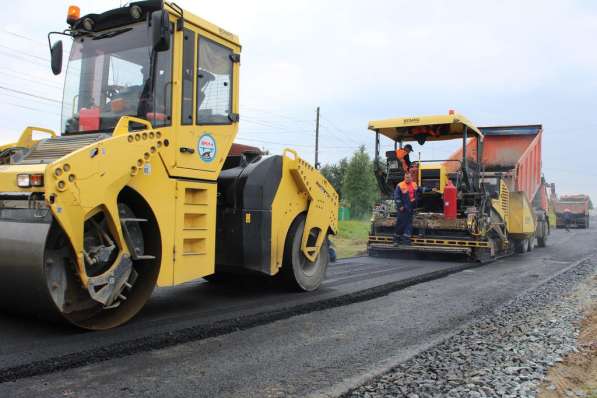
(512, 155)
(577, 206)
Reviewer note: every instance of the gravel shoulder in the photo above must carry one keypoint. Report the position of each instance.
(576, 375)
(506, 353)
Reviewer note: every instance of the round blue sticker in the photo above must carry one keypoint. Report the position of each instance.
(206, 147)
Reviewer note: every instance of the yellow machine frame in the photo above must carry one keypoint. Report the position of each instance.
(180, 190)
(518, 218)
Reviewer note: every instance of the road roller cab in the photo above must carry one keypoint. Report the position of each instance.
(139, 189)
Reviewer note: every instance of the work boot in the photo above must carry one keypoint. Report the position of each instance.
(406, 240)
(397, 240)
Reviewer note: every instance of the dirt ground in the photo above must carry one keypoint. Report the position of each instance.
(576, 376)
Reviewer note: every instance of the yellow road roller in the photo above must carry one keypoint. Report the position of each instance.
(143, 186)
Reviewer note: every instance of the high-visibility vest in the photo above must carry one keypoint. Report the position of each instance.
(401, 154)
(404, 187)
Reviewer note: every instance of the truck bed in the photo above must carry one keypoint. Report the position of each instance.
(515, 149)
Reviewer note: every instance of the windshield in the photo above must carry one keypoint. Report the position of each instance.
(110, 76)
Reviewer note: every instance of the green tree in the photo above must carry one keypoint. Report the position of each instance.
(335, 173)
(359, 188)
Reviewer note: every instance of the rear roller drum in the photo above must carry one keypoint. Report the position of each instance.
(297, 270)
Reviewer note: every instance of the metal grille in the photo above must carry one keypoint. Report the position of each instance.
(46, 151)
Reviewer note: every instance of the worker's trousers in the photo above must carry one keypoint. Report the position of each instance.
(404, 224)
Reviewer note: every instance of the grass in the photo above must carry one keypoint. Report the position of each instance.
(352, 238)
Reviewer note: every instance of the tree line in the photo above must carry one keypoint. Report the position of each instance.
(354, 181)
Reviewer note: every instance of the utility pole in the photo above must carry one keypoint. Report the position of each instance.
(317, 140)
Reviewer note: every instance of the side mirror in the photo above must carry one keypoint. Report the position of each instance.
(160, 31)
(56, 57)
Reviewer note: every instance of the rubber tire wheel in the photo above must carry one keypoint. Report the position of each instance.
(219, 278)
(521, 246)
(531, 244)
(295, 262)
(333, 254)
(542, 240)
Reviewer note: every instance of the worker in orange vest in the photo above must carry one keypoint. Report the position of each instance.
(405, 196)
(403, 158)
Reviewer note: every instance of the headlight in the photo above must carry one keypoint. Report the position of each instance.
(88, 24)
(23, 181)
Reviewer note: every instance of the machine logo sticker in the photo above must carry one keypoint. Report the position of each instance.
(206, 147)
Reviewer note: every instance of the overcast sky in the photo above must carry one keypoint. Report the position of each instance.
(496, 62)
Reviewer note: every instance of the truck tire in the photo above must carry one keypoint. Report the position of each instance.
(298, 272)
(531, 246)
(220, 278)
(521, 246)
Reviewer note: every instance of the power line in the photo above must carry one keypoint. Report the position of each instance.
(32, 62)
(24, 53)
(31, 109)
(51, 107)
(291, 144)
(277, 127)
(36, 81)
(344, 132)
(303, 132)
(29, 94)
(21, 36)
(281, 115)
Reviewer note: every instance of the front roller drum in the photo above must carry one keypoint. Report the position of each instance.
(38, 276)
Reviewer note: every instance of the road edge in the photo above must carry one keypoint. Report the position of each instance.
(347, 385)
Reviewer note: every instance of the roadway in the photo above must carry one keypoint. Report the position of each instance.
(254, 339)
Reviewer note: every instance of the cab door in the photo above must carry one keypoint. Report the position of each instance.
(208, 123)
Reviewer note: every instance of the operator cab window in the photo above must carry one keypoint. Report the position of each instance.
(115, 74)
(214, 83)
(162, 105)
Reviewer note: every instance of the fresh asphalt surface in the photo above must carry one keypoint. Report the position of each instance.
(323, 350)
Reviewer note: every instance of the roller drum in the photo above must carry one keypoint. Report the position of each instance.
(38, 275)
(23, 284)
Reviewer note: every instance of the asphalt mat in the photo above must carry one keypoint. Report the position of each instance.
(199, 310)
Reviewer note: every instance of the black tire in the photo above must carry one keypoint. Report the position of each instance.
(220, 278)
(298, 272)
(333, 254)
(521, 246)
(531, 244)
(374, 253)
